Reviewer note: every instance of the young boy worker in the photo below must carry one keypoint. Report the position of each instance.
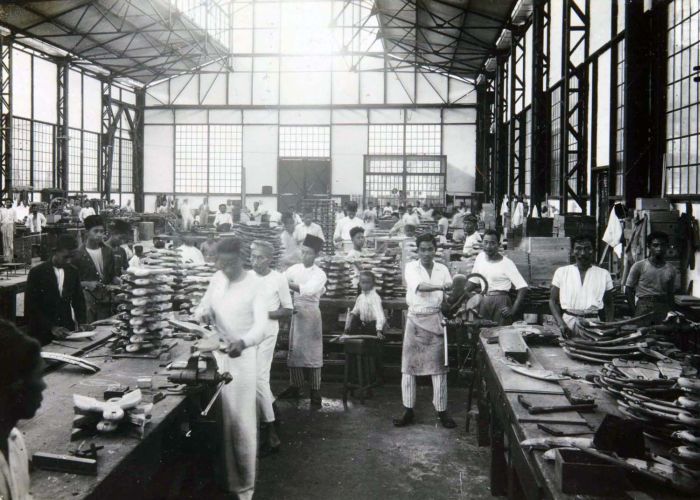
(652, 281)
(275, 289)
(423, 351)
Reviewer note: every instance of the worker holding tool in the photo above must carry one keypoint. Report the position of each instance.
(54, 301)
(239, 314)
(21, 385)
(581, 290)
(275, 289)
(424, 342)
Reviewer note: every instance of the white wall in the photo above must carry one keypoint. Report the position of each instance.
(158, 171)
(260, 157)
(349, 145)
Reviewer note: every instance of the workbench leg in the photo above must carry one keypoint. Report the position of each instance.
(499, 466)
(515, 492)
(483, 407)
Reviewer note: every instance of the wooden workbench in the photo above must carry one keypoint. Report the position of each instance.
(125, 461)
(503, 423)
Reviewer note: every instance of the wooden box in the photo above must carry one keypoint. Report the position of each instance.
(578, 473)
(652, 204)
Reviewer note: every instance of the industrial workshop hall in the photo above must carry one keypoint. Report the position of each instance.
(349, 249)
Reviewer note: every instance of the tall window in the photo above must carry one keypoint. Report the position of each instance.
(33, 153)
(682, 102)
(404, 163)
(618, 167)
(208, 159)
(555, 120)
(82, 161)
(527, 163)
(305, 142)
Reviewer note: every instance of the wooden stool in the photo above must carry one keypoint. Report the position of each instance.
(360, 368)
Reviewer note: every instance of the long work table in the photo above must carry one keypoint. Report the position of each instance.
(504, 423)
(126, 460)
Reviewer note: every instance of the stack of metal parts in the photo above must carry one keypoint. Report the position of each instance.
(601, 345)
(193, 286)
(339, 274)
(249, 233)
(387, 273)
(146, 302)
(324, 215)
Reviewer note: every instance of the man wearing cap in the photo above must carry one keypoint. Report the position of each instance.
(343, 227)
(95, 263)
(7, 227)
(54, 295)
(234, 305)
(117, 237)
(308, 282)
(423, 352)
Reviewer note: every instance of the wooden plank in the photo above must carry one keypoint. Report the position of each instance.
(515, 382)
(513, 345)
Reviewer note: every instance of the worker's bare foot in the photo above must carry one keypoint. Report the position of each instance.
(406, 419)
(290, 393)
(446, 421)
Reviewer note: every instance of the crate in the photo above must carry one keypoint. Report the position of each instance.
(652, 204)
(578, 473)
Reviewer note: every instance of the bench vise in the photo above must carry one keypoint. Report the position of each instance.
(201, 372)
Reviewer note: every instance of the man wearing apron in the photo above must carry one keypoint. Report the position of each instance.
(308, 282)
(236, 307)
(423, 351)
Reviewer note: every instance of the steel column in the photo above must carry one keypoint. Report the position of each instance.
(540, 160)
(137, 135)
(6, 115)
(110, 122)
(62, 133)
(499, 171)
(517, 98)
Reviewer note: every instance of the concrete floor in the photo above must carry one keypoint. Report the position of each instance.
(358, 454)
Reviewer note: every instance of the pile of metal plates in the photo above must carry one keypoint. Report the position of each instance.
(193, 286)
(339, 274)
(324, 215)
(387, 273)
(249, 233)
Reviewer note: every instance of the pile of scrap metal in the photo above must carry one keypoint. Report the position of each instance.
(193, 285)
(339, 273)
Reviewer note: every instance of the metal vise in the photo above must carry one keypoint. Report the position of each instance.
(201, 371)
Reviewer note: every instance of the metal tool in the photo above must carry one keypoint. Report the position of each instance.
(206, 376)
(538, 410)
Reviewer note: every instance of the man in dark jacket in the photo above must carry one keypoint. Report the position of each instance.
(95, 263)
(54, 296)
(118, 235)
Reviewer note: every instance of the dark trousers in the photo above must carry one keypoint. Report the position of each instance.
(359, 327)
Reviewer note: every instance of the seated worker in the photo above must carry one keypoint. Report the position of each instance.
(190, 254)
(21, 385)
(472, 240)
(409, 230)
(95, 264)
(580, 290)
(54, 295)
(118, 235)
(387, 210)
(208, 248)
(223, 220)
(501, 275)
(397, 228)
(411, 216)
(652, 281)
(308, 226)
(136, 260)
(443, 223)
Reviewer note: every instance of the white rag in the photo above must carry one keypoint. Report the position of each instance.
(613, 233)
(518, 215)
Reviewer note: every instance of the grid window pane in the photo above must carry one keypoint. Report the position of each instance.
(127, 165)
(74, 160)
(225, 158)
(21, 152)
(383, 187)
(43, 148)
(682, 104)
(386, 140)
(385, 165)
(528, 153)
(191, 158)
(424, 166)
(555, 115)
(618, 167)
(116, 160)
(425, 187)
(305, 142)
(90, 161)
(423, 139)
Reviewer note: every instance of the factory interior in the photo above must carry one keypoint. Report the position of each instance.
(349, 249)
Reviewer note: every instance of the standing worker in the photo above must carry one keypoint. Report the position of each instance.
(186, 214)
(8, 215)
(232, 303)
(652, 281)
(291, 251)
(501, 275)
(278, 300)
(344, 225)
(35, 220)
(308, 282)
(95, 263)
(308, 226)
(86, 211)
(581, 290)
(423, 352)
(54, 296)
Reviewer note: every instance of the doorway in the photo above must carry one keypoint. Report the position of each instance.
(299, 178)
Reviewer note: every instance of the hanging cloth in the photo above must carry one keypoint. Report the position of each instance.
(613, 233)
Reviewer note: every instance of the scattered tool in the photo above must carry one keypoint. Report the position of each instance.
(71, 360)
(91, 452)
(65, 463)
(538, 410)
(559, 430)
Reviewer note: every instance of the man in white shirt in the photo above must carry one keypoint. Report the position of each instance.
(223, 220)
(86, 211)
(423, 352)
(256, 213)
(388, 210)
(190, 254)
(187, 215)
(411, 217)
(370, 218)
(21, 385)
(128, 208)
(8, 216)
(307, 227)
(354, 255)
(458, 223)
(291, 250)
(35, 220)
(581, 290)
(472, 240)
(342, 228)
(238, 311)
(275, 289)
(501, 275)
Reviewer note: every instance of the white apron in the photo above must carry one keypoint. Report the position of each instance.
(305, 335)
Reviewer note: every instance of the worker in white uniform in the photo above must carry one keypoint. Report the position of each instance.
(308, 282)
(581, 290)
(238, 312)
(35, 220)
(501, 275)
(343, 227)
(190, 254)
(187, 215)
(275, 289)
(86, 211)
(472, 239)
(423, 352)
(308, 226)
(291, 249)
(370, 218)
(21, 385)
(7, 227)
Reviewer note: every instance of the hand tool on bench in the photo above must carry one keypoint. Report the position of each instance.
(538, 410)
